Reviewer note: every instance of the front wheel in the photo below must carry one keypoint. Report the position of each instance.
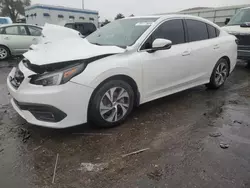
(111, 104)
(219, 75)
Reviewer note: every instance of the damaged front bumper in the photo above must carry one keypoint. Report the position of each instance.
(57, 106)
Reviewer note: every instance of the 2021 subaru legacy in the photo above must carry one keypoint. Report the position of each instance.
(126, 63)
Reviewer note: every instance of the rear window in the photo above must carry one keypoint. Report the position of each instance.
(197, 30)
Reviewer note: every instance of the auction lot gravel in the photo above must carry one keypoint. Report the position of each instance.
(196, 138)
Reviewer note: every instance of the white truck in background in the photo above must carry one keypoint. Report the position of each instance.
(239, 25)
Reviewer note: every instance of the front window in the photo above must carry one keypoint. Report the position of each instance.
(121, 33)
(241, 17)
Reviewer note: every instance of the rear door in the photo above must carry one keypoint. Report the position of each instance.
(34, 33)
(205, 46)
(16, 38)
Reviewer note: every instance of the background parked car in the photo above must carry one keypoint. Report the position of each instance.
(5, 20)
(240, 27)
(15, 39)
(84, 28)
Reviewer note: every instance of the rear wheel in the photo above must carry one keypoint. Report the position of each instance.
(111, 104)
(219, 75)
(4, 53)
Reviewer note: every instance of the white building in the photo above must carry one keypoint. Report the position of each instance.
(216, 15)
(39, 14)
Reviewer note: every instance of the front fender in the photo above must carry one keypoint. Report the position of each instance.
(117, 72)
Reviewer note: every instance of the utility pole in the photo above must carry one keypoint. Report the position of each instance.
(82, 4)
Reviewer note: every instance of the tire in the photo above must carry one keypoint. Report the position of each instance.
(103, 113)
(219, 75)
(4, 53)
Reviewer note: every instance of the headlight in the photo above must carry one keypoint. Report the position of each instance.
(58, 77)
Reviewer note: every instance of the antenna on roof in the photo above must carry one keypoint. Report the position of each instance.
(82, 4)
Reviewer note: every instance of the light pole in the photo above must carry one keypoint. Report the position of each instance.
(82, 4)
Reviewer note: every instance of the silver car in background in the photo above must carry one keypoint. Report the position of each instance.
(15, 39)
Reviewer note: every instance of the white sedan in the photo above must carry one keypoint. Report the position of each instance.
(128, 62)
(15, 39)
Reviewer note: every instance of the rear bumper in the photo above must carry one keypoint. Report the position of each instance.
(57, 107)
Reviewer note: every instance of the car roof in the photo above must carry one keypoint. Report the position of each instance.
(166, 16)
(169, 16)
(16, 24)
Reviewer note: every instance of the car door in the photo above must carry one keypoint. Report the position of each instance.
(34, 34)
(16, 39)
(204, 47)
(166, 71)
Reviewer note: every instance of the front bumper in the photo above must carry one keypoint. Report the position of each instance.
(60, 106)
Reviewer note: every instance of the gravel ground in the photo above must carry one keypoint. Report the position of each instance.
(183, 136)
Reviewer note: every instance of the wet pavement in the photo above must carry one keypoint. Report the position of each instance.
(183, 136)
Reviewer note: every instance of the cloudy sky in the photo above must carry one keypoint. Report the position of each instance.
(109, 8)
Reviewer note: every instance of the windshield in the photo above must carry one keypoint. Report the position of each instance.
(241, 17)
(121, 33)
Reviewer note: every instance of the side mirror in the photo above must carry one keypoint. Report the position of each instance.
(161, 44)
(227, 20)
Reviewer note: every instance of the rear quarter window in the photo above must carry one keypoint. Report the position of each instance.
(211, 31)
(217, 32)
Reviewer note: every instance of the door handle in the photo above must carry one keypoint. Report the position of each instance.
(216, 46)
(34, 39)
(186, 53)
(6, 38)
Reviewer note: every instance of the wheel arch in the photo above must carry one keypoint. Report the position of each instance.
(122, 77)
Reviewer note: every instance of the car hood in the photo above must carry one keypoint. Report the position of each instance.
(236, 29)
(69, 49)
(56, 32)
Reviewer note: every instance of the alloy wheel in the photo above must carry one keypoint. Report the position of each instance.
(3, 53)
(221, 73)
(114, 104)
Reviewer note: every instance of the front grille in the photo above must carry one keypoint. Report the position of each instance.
(244, 39)
(17, 79)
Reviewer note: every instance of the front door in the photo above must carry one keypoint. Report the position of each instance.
(166, 71)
